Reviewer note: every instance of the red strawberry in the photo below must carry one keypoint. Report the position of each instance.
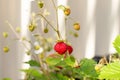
(60, 47)
(70, 49)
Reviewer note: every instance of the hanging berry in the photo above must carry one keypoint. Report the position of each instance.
(67, 11)
(76, 26)
(60, 47)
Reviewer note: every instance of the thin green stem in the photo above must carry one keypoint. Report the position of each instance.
(47, 21)
(56, 11)
(57, 31)
(11, 27)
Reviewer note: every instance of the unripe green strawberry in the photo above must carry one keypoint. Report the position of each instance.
(40, 4)
(46, 30)
(32, 27)
(67, 11)
(5, 34)
(6, 49)
(76, 26)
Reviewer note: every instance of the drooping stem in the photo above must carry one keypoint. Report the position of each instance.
(57, 27)
(11, 27)
(18, 37)
(56, 30)
(47, 21)
(56, 11)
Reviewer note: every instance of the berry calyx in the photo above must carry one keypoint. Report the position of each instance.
(60, 47)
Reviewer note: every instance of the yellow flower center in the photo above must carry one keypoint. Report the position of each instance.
(37, 47)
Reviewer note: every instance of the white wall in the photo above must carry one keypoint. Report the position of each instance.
(100, 24)
(9, 10)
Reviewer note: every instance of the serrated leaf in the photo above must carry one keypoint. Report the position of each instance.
(70, 60)
(54, 59)
(33, 72)
(116, 44)
(33, 63)
(87, 68)
(58, 76)
(111, 71)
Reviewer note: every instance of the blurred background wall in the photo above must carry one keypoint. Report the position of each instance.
(99, 20)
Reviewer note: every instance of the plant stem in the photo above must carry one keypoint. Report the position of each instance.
(47, 21)
(11, 27)
(56, 30)
(56, 11)
(84, 78)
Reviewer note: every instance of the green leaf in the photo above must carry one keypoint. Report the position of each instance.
(33, 72)
(6, 79)
(111, 71)
(70, 60)
(116, 44)
(58, 76)
(87, 68)
(54, 59)
(33, 63)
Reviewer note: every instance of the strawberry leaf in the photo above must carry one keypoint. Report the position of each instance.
(116, 44)
(33, 63)
(111, 71)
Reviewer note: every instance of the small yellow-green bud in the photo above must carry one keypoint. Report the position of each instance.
(40, 4)
(5, 34)
(6, 49)
(32, 27)
(18, 29)
(46, 30)
(76, 26)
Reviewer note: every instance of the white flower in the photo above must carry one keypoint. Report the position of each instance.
(37, 48)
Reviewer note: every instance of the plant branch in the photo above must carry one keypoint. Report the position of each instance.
(47, 21)
(11, 27)
(57, 31)
(56, 11)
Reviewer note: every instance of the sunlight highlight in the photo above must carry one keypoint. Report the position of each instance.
(61, 18)
(90, 43)
(114, 22)
(25, 14)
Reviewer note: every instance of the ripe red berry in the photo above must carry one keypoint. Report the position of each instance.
(60, 47)
(70, 49)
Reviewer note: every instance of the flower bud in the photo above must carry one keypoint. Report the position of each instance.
(76, 26)
(6, 49)
(5, 34)
(40, 4)
(67, 11)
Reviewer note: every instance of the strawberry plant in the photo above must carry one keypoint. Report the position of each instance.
(52, 58)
